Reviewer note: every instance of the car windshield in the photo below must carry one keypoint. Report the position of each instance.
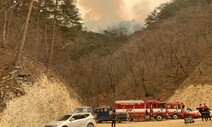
(191, 109)
(65, 117)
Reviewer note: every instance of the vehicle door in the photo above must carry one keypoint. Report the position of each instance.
(151, 108)
(177, 108)
(76, 120)
(170, 110)
(85, 119)
(162, 108)
(104, 114)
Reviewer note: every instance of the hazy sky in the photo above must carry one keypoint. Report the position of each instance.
(98, 14)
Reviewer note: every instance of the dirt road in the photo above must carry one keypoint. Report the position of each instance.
(165, 123)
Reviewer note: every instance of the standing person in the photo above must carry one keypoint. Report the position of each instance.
(207, 113)
(201, 111)
(183, 106)
(151, 110)
(114, 116)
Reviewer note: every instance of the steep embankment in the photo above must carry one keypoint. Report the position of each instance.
(44, 100)
(29, 97)
(197, 88)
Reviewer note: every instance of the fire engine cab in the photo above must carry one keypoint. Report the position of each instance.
(142, 110)
(174, 110)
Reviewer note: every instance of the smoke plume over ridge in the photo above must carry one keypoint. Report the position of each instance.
(100, 14)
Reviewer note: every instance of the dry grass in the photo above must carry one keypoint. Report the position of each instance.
(198, 87)
(45, 101)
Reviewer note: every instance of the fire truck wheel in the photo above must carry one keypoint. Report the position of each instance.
(159, 117)
(130, 119)
(175, 116)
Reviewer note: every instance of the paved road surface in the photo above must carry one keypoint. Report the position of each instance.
(165, 123)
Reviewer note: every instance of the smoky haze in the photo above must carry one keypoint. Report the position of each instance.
(101, 14)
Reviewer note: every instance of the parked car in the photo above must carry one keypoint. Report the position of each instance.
(84, 109)
(192, 112)
(74, 120)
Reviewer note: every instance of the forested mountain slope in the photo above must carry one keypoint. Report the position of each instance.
(104, 67)
(160, 58)
(156, 60)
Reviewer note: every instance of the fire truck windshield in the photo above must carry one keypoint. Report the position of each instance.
(161, 105)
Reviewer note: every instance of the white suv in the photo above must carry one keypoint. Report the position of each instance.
(74, 120)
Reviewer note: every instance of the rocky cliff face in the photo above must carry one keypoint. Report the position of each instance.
(45, 100)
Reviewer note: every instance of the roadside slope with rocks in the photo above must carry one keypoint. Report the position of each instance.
(197, 89)
(46, 100)
(29, 96)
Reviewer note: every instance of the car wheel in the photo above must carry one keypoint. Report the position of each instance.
(159, 117)
(175, 116)
(90, 125)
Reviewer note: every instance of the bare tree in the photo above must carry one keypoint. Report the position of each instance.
(53, 35)
(4, 29)
(18, 58)
(46, 41)
(37, 28)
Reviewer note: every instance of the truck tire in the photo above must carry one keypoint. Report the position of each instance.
(159, 117)
(130, 119)
(175, 116)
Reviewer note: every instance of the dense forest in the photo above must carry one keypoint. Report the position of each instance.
(145, 64)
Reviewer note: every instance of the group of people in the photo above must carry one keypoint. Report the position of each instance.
(205, 112)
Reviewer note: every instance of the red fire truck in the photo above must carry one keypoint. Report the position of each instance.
(142, 110)
(174, 110)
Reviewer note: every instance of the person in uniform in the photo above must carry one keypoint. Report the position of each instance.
(114, 117)
(207, 113)
(201, 110)
(151, 111)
